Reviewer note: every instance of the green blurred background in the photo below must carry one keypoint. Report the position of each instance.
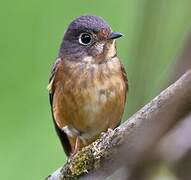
(30, 34)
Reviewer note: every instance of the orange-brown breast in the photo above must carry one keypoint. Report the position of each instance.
(89, 97)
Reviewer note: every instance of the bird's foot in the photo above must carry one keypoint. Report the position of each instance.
(109, 131)
(76, 148)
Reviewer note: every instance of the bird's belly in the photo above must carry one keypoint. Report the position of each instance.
(94, 109)
(98, 109)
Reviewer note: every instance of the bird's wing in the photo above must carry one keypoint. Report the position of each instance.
(124, 74)
(51, 88)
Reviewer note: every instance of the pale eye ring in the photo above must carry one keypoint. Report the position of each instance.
(85, 38)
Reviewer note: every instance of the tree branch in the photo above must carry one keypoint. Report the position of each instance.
(130, 143)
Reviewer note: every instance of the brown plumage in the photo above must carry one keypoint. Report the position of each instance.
(88, 84)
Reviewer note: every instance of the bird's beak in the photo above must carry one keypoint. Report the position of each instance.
(115, 35)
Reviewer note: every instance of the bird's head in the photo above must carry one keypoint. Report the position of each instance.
(89, 39)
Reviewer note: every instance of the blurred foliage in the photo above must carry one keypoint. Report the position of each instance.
(30, 36)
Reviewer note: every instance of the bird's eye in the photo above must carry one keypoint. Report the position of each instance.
(85, 38)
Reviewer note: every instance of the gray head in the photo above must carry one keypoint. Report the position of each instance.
(88, 38)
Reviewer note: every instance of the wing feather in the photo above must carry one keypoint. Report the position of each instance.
(124, 75)
(51, 89)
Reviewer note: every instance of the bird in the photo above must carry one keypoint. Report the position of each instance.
(88, 83)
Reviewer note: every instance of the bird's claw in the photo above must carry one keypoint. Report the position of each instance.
(103, 134)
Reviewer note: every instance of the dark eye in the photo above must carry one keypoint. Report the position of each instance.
(85, 38)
